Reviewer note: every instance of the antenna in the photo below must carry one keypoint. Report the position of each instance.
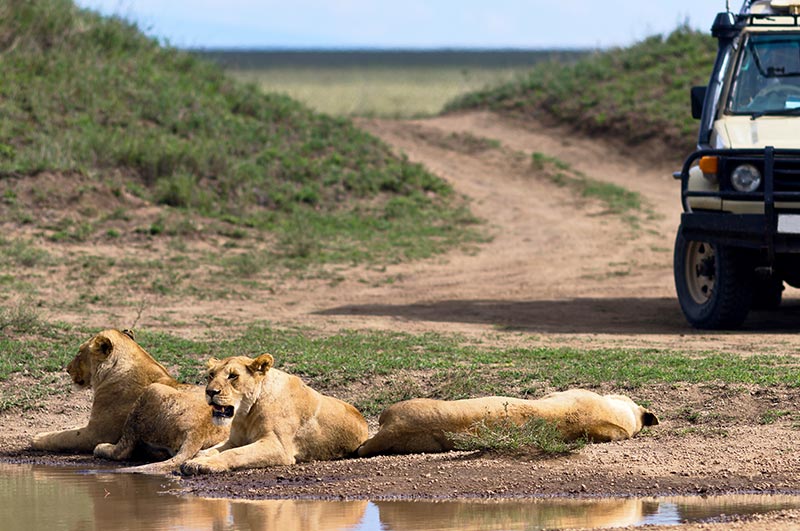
(727, 6)
(745, 6)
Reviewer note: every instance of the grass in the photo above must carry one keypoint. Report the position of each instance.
(504, 436)
(377, 91)
(773, 415)
(23, 253)
(22, 317)
(174, 130)
(337, 361)
(636, 94)
(617, 200)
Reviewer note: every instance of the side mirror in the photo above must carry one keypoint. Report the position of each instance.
(698, 97)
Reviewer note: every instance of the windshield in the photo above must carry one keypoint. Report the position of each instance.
(768, 77)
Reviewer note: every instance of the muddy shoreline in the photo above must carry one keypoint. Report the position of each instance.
(651, 466)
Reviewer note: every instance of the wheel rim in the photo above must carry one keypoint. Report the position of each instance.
(700, 271)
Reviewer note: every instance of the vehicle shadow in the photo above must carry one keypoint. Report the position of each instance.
(572, 316)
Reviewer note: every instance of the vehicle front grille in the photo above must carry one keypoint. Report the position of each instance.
(787, 174)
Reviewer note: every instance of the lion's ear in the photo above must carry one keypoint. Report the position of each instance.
(649, 418)
(211, 362)
(129, 333)
(103, 346)
(262, 364)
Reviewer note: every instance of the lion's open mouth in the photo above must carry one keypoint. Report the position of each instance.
(223, 412)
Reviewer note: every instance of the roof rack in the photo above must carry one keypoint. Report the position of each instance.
(767, 7)
(773, 21)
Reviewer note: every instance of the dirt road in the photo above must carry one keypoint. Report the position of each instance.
(559, 269)
(558, 265)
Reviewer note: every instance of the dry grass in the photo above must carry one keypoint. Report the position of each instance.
(388, 92)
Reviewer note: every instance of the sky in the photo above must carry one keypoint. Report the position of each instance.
(409, 23)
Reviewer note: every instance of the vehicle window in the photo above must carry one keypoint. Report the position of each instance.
(768, 76)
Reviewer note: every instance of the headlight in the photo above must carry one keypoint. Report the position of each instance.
(746, 178)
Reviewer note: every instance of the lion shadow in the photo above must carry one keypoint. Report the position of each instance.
(571, 316)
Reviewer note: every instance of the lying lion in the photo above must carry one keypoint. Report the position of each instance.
(421, 425)
(275, 419)
(137, 403)
(118, 370)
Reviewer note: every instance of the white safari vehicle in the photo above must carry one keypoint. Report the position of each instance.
(739, 238)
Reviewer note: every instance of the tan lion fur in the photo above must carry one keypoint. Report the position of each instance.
(166, 419)
(275, 418)
(136, 404)
(421, 425)
(117, 370)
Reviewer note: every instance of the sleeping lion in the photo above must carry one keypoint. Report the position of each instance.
(275, 419)
(421, 425)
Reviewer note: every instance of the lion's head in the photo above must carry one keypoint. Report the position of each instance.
(92, 353)
(233, 384)
(644, 416)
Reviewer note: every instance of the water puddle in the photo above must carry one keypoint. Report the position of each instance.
(48, 498)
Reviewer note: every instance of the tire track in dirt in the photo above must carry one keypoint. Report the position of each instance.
(557, 264)
(548, 245)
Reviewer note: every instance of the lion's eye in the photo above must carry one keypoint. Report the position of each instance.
(210, 376)
(232, 376)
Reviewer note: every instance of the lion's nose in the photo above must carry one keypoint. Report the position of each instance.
(212, 392)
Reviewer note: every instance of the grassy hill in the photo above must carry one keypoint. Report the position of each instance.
(92, 101)
(637, 94)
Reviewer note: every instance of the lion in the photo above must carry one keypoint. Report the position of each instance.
(274, 418)
(118, 370)
(171, 420)
(137, 405)
(421, 425)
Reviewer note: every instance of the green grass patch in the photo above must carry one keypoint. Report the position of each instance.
(504, 436)
(636, 94)
(23, 253)
(340, 360)
(90, 96)
(21, 318)
(771, 416)
(616, 199)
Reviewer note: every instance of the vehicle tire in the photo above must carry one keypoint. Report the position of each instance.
(767, 293)
(714, 283)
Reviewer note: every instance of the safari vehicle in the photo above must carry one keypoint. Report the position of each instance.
(739, 238)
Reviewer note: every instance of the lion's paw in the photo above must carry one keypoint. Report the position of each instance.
(39, 441)
(104, 450)
(195, 467)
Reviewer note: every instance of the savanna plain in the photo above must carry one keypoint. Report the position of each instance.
(507, 242)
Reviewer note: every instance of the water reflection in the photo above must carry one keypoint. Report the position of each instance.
(47, 498)
(513, 515)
